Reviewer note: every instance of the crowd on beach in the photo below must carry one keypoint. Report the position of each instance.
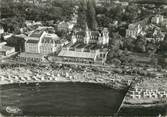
(26, 74)
(148, 90)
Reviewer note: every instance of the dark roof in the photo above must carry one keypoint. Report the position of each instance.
(80, 33)
(81, 45)
(88, 46)
(95, 33)
(75, 45)
(32, 41)
(93, 47)
(36, 33)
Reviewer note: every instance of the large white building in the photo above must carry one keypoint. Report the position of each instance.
(87, 47)
(32, 45)
(92, 37)
(157, 19)
(40, 43)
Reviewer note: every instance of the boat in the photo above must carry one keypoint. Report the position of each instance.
(13, 110)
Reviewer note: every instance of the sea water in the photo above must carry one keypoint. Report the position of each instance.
(51, 99)
(61, 99)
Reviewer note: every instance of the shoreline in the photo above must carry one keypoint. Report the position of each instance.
(126, 103)
(27, 75)
(107, 85)
(149, 105)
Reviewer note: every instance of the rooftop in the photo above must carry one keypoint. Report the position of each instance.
(74, 54)
(36, 33)
(32, 41)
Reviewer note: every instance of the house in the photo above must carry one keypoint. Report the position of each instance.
(49, 44)
(154, 34)
(1, 30)
(157, 19)
(6, 50)
(133, 30)
(63, 26)
(90, 37)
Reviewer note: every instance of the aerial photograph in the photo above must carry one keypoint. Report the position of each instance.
(83, 58)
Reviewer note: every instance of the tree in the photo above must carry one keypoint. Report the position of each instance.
(129, 43)
(131, 12)
(116, 61)
(103, 21)
(100, 10)
(140, 45)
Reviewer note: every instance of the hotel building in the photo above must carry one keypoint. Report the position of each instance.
(86, 47)
(40, 43)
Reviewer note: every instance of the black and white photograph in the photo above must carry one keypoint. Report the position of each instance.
(83, 58)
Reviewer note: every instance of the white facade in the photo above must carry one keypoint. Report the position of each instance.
(1, 30)
(133, 30)
(157, 19)
(32, 45)
(97, 37)
(45, 44)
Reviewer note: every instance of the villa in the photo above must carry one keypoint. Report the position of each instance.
(133, 30)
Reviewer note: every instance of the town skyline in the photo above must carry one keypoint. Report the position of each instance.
(120, 45)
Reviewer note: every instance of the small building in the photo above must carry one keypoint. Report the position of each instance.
(157, 19)
(49, 44)
(6, 50)
(133, 30)
(1, 30)
(31, 57)
(63, 26)
(92, 37)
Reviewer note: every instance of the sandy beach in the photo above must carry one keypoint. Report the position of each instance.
(144, 92)
(28, 74)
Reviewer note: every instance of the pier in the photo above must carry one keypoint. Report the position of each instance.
(122, 103)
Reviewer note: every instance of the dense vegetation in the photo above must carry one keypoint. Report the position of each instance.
(15, 14)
